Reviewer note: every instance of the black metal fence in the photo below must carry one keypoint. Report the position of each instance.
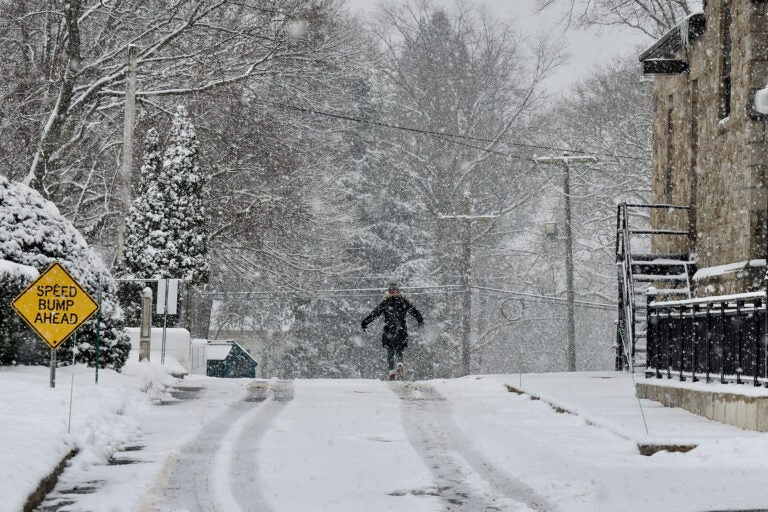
(717, 338)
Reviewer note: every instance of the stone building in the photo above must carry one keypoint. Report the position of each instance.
(710, 149)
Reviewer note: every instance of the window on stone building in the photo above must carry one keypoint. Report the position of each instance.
(693, 170)
(670, 150)
(725, 63)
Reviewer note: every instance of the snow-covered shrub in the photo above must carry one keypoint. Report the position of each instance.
(13, 333)
(34, 233)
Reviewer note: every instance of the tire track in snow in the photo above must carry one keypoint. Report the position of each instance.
(218, 470)
(244, 462)
(465, 480)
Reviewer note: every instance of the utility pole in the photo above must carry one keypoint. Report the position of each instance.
(125, 168)
(566, 162)
(466, 278)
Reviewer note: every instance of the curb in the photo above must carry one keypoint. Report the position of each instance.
(645, 448)
(47, 484)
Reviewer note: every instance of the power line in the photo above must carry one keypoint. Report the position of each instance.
(249, 296)
(596, 305)
(443, 135)
(329, 293)
(403, 288)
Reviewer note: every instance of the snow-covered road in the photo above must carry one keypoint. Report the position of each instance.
(444, 445)
(465, 477)
(216, 471)
(339, 446)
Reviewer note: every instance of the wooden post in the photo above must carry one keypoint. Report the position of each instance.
(145, 334)
(466, 279)
(466, 303)
(571, 312)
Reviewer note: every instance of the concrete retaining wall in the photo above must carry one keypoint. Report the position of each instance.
(747, 412)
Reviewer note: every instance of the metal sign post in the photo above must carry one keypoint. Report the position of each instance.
(169, 290)
(52, 379)
(98, 329)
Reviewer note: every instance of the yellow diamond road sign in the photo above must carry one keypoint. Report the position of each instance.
(55, 305)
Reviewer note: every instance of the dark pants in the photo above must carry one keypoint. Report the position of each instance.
(394, 354)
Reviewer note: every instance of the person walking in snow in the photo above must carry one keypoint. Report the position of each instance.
(394, 307)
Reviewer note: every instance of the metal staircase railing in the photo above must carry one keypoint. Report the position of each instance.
(638, 273)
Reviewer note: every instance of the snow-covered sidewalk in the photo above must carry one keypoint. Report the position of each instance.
(588, 461)
(121, 411)
(607, 399)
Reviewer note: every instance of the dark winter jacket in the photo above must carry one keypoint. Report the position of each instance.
(394, 308)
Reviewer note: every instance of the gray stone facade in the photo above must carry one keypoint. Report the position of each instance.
(705, 156)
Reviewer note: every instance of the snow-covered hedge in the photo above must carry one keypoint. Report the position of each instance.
(34, 233)
(13, 333)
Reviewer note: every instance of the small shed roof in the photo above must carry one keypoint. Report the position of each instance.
(219, 350)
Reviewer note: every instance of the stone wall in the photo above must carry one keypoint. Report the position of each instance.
(738, 409)
(718, 165)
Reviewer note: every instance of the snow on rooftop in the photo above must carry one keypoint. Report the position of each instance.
(218, 350)
(720, 270)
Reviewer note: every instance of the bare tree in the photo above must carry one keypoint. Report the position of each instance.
(63, 106)
(651, 17)
(282, 159)
(608, 115)
(471, 90)
(465, 92)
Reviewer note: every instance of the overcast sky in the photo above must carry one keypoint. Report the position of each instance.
(586, 47)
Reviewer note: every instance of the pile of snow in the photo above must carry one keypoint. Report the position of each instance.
(177, 348)
(761, 101)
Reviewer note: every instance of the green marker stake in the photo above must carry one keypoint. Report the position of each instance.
(634, 386)
(72, 385)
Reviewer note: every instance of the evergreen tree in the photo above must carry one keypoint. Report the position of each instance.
(166, 228)
(145, 214)
(181, 237)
